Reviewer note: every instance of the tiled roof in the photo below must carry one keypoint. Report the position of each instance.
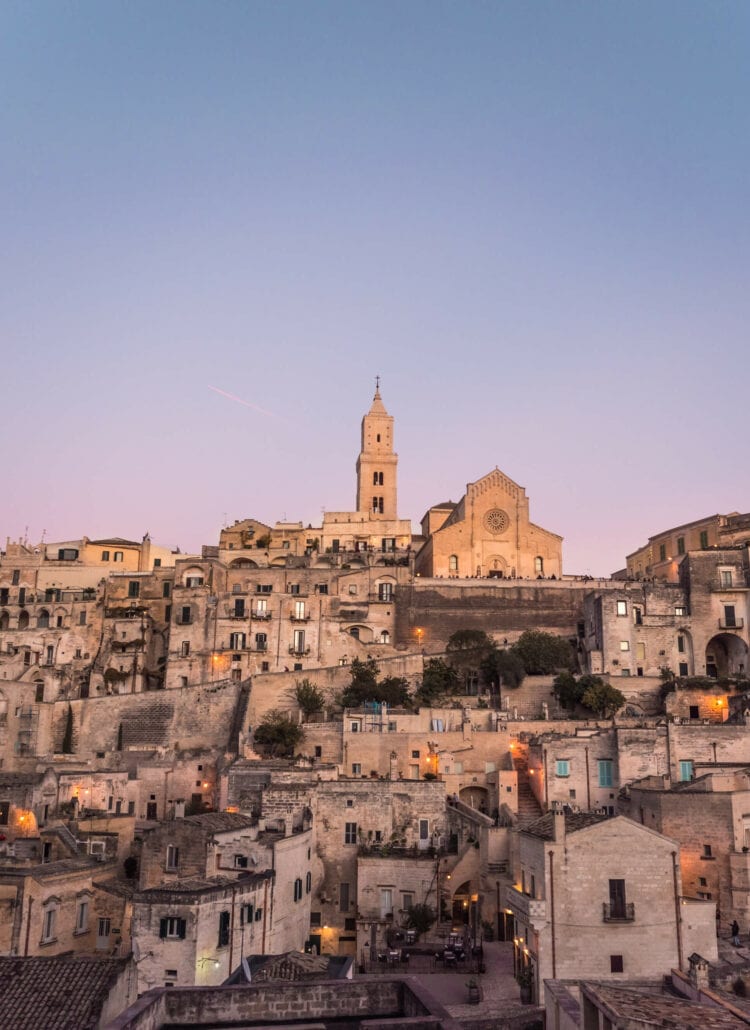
(55, 993)
(217, 822)
(544, 827)
(661, 1010)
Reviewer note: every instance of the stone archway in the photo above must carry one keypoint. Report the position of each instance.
(496, 567)
(726, 655)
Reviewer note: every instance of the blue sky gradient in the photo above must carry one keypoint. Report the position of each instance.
(530, 219)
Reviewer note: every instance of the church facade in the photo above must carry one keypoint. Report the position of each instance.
(488, 533)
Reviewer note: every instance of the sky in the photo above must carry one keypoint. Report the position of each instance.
(530, 219)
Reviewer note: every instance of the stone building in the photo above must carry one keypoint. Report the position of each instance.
(488, 533)
(661, 557)
(708, 814)
(602, 899)
(697, 627)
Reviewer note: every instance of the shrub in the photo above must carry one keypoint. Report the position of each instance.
(543, 653)
(279, 733)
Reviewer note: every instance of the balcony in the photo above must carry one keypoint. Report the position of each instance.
(299, 618)
(621, 913)
(263, 616)
(731, 623)
(530, 910)
(299, 652)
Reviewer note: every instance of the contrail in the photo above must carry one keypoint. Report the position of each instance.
(239, 400)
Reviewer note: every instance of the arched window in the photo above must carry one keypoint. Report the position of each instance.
(539, 566)
(42, 620)
(308, 883)
(4, 620)
(453, 563)
(354, 632)
(385, 637)
(23, 620)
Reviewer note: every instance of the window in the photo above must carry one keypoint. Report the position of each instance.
(415, 754)
(662, 552)
(223, 940)
(424, 829)
(258, 914)
(166, 589)
(730, 619)
(16, 578)
(624, 645)
(237, 641)
(105, 555)
(386, 902)
(67, 554)
(680, 544)
(157, 563)
(308, 883)
(453, 563)
(617, 904)
(246, 914)
(350, 833)
(173, 858)
(318, 750)
(343, 897)
(622, 607)
(349, 803)
(298, 889)
(185, 648)
(680, 609)
(707, 852)
(82, 915)
(194, 581)
(725, 576)
(539, 565)
(49, 925)
(356, 769)
(186, 615)
(377, 479)
(638, 616)
(299, 609)
(118, 556)
(299, 641)
(605, 772)
(562, 767)
(695, 712)
(704, 539)
(321, 588)
(239, 607)
(240, 861)
(385, 637)
(407, 901)
(82, 617)
(134, 588)
(616, 964)
(315, 919)
(682, 669)
(681, 643)
(171, 927)
(686, 770)
(261, 643)
(385, 591)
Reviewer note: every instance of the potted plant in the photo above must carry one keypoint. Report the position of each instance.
(526, 983)
(474, 991)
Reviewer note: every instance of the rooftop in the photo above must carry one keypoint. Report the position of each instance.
(574, 821)
(644, 1008)
(55, 993)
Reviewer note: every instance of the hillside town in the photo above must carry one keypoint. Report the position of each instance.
(432, 778)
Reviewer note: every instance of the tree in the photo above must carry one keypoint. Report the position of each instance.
(364, 686)
(439, 681)
(421, 918)
(568, 690)
(502, 668)
(394, 691)
(602, 698)
(279, 733)
(309, 697)
(543, 653)
(466, 651)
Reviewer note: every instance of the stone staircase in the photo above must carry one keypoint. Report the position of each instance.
(529, 808)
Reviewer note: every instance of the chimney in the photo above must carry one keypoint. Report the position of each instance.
(558, 824)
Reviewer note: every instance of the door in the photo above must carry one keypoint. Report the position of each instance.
(151, 810)
(314, 943)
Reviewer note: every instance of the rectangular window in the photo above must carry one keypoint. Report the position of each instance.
(605, 772)
(407, 901)
(616, 964)
(134, 588)
(680, 609)
(186, 615)
(622, 607)
(172, 927)
(617, 904)
(246, 914)
(638, 616)
(386, 902)
(624, 645)
(105, 555)
(185, 648)
(343, 897)
(299, 641)
(82, 916)
(356, 769)
(424, 829)
(704, 539)
(166, 589)
(82, 617)
(686, 770)
(681, 643)
(682, 669)
(680, 544)
(562, 767)
(15, 578)
(261, 642)
(239, 607)
(223, 940)
(173, 858)
(730, 619)
(662, 552)
(385, 591)
(725, 576)
(350, 833)
(707, 851)
(118, 556)
(49, 925)
(299, 609)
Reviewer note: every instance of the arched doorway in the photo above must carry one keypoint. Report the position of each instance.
(726, 655)
(475, 797)
(497, 567)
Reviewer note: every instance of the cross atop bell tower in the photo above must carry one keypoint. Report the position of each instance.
(377, 463)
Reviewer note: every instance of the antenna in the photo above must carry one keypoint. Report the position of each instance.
(377, 382)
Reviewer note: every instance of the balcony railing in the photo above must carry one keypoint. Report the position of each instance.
(622, 913)
(263, 616)
(731, 623)
(299, 652)
(299, 618)
(528, 908)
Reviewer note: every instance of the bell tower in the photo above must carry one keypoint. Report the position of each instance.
(377, 463)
